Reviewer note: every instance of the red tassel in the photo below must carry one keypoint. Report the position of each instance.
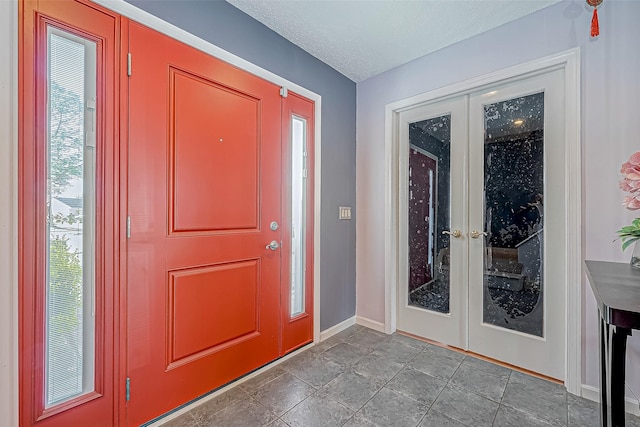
(595, 26)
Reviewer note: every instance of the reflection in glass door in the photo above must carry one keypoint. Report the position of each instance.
(513, 213)
(429, 166)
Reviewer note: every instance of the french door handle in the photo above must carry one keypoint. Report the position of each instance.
(454, 233)
(475, 234)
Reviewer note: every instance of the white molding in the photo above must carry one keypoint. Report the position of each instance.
(476, 83)
(317, 215)
(631, 406)
(371, 324)
(390, 215)
(573, 182)
(570, 62)
(336, 329)
(9, 213)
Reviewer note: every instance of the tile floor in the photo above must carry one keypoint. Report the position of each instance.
(363, 378)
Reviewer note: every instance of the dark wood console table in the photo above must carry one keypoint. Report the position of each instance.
(616, 287)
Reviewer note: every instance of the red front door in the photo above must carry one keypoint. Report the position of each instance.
(204, 186)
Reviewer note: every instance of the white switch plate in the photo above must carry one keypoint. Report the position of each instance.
(344, 212)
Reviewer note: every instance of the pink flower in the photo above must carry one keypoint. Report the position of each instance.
(631, 203)
(630, 171)
(630, 182)
(630, 185)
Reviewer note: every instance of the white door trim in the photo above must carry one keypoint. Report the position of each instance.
(155, 23)
(570, 62)
(9, 213)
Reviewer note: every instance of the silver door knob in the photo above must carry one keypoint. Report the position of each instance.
(454, 233)
(273, 245)
(475, 234)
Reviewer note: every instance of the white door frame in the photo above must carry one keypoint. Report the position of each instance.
(570, 62)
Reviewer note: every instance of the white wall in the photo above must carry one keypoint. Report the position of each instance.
(610, 112)
(8, 210)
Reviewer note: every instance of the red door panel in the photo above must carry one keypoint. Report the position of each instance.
(204, 317)
(204, 185)
(297, 330)
(212, 123)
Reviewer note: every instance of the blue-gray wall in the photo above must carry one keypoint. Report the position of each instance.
(231, 29)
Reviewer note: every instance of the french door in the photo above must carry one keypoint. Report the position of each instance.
(433, 286)
(482, 189)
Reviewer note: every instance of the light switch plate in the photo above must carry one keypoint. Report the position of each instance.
(344, 212)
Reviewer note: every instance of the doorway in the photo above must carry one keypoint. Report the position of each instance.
(170, 256)
(481, 187)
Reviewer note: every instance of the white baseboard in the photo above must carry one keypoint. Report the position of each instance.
(335, 329)
(632, 406)
(371, 324)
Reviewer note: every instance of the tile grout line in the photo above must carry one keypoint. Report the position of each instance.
(445, 386)
(501, 398)
(370, 398)
(348, 367)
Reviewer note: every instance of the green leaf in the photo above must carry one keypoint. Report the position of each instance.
(628, 242)
(629, 233)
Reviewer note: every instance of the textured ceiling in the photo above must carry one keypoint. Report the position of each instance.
(362, 38)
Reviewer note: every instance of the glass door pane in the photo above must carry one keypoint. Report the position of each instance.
(513, 214)
(429, 218)
(70, 322)
(298, 213)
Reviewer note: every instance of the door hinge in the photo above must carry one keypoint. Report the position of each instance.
(129, 64)
(128, 392)
(284, 92)
(304, 173)
(128, 227)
